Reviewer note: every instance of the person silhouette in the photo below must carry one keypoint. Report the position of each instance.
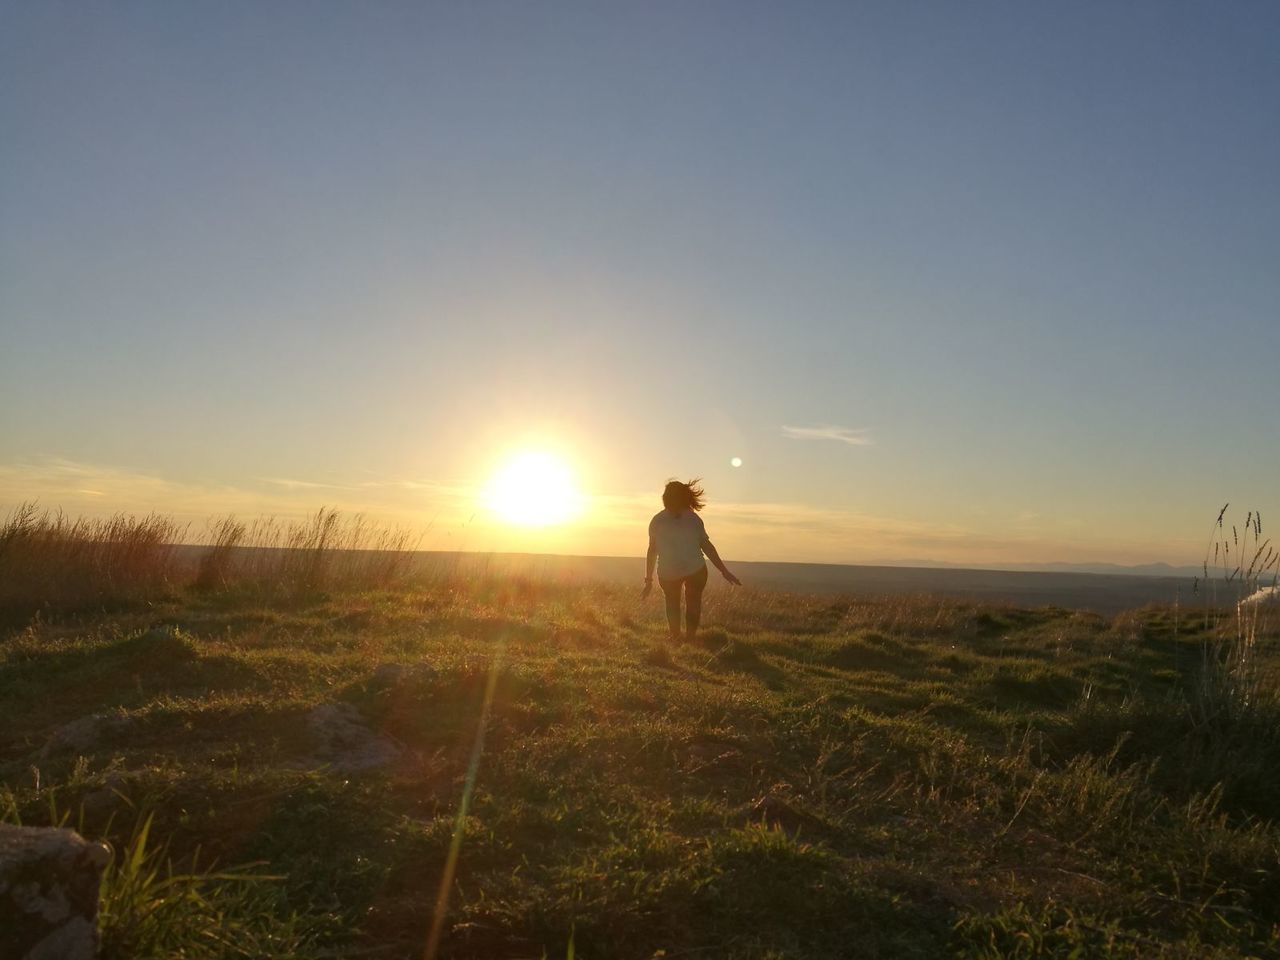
(677, 541)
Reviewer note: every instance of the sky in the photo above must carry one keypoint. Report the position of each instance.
(981, 283)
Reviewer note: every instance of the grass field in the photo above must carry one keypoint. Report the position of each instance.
(814, 777)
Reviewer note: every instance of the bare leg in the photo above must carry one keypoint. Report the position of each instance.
(671, 590)
(693, 602)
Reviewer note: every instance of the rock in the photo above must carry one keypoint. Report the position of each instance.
(1264, 595)
(345, 743)
(83, 734)
(388, 675)
(49, 893)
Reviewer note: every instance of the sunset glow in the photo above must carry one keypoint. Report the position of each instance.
(900, 288)
(534, 489)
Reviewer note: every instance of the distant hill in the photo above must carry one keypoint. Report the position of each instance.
(1113, 569)
(1109, 569)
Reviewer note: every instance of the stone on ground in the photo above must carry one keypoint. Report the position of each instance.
(49, 893)
(387, 675)
(345, 743)
(82, 735)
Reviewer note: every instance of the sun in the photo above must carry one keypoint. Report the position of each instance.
(534, 489)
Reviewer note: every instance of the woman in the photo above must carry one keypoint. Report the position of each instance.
(677, 541)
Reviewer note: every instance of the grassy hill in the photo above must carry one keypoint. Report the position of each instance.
(815, 777)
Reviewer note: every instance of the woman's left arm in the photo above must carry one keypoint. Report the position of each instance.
(709, 549)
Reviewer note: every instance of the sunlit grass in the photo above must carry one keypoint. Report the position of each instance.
(911, 776)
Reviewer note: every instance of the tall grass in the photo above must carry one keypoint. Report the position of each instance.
(323, 551)
(1237, 567)
(49, 559)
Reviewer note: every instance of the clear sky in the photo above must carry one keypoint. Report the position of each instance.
(979, 282)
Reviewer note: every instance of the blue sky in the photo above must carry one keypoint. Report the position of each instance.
(260, 257)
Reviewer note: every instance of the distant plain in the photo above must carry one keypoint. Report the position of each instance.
(1098, 592)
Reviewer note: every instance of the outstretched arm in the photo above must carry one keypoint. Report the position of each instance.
(650, 559)
(709, 549)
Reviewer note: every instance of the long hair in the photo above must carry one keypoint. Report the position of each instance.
(684, 496)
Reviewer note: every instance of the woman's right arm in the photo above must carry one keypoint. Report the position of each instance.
(650, 559)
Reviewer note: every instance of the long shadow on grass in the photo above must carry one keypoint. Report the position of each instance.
(435, 709)
(1235, 759)
(124, 673)
(725, 652)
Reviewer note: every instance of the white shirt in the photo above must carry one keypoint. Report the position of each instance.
(679, 537)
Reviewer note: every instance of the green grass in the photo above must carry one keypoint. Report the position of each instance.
(813, 778)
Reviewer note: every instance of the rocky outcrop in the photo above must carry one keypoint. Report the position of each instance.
(82, 735)
(49, 893)
(344, 743)
(387, 676)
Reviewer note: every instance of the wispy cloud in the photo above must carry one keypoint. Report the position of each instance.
(401, 483)
(59, 483)
(778, 530)
(854, 436)
(289, 484)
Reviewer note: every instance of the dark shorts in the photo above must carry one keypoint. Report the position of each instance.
(694, 582)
